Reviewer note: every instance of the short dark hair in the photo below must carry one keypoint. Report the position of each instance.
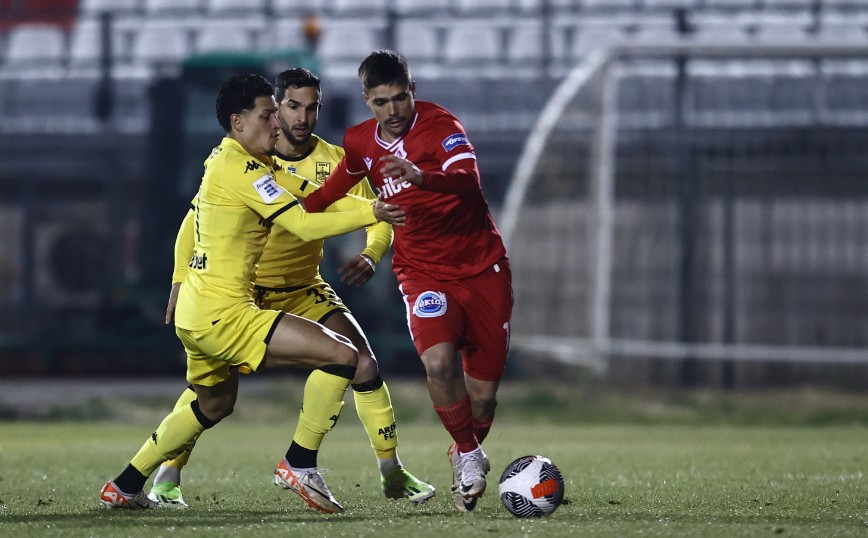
(297, 77)
(384, 67)
(239, 93)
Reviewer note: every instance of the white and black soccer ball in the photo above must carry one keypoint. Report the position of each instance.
(531, 486)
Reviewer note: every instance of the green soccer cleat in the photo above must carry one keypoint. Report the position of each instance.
(168, 494)
(400, 484)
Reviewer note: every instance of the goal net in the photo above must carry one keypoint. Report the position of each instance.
(696, 203)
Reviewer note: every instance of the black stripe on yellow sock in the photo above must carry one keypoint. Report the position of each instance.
(200, 416)
(341, 370)
(369, 386)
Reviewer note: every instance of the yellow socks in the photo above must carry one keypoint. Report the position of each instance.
(375, 411)
(321, 406)
(178, 463)
(178, 432)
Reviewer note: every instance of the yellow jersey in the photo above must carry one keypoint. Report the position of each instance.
(239, 200)
(288, 260)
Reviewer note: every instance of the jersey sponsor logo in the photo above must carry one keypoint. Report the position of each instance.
(251, 166)
(322, 171)
(291, 168)
(430, 304)
(198, 261)
(391, 189)
(267, 188)
(453, 141)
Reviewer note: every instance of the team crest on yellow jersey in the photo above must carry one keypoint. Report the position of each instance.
(322, 171)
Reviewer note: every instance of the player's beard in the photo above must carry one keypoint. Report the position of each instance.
(286, 131)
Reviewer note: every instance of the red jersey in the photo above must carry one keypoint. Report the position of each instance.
(449, 233)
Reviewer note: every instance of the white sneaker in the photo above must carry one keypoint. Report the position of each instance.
(460, 499)
(112, 497)
(308, 485)
(473, 467)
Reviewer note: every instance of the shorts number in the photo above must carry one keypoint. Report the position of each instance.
(320, 297)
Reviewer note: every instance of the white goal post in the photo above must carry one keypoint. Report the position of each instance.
(587, 98)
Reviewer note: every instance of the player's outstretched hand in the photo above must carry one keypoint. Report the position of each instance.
(387, 212)
(400, 170)
(357, 270)
(173, 300)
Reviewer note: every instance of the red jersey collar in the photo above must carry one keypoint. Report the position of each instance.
(389, 145)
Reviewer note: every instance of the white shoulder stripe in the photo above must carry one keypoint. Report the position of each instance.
(459, 157)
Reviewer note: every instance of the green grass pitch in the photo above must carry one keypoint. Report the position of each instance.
(623, 478)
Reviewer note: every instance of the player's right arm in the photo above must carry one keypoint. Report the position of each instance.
(312, 226)
(336, 186)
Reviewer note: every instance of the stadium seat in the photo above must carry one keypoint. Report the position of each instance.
(292, 8)
(419, 40)
(235, 7)
(782, 27)
(415, 7)
(285, 33)
(370, 8)
(789, 4)
(525, 45)
(844, 28)
(722, 27)
(560, 6)
(483, 7)
(595, 33)
(472, 41)
(655, 29)
(95, 7)
(225, 36)
(609, 5)
(730, 5)
(85, 47)
(162, 40)
(36, 47)
(665, 5)
(344, 44)
(172, 7)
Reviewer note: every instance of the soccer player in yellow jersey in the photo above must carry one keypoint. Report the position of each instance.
(217, 319)
(288, 279)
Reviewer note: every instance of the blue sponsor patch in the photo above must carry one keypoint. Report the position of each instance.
(430, 304)
(452, 141)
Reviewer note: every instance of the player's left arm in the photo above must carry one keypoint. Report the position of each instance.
(184, 245)
(360, 268)
(379, 236)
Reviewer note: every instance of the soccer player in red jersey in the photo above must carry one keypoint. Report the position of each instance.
(449, 258)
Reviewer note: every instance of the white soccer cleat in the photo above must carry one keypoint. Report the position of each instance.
(309, 486)
(468, 477)
(112, 497)
(473, 467)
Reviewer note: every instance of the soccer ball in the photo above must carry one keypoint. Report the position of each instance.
(531, 486)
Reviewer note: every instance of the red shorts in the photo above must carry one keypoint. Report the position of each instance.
(472, 314)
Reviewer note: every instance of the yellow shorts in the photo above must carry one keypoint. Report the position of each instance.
(315, 302)
(240, 338)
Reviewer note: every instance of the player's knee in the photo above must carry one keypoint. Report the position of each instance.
(347, 354)
(440, 369)
(483, 405)
(216, 409)
(366, 369)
